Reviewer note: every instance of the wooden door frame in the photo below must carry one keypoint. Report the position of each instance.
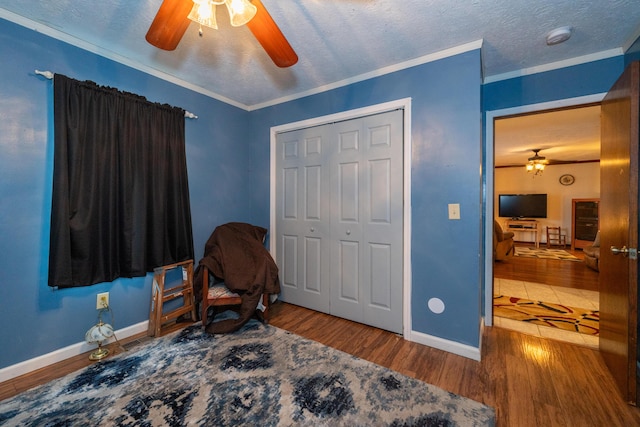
(489, 176)
(405, 104)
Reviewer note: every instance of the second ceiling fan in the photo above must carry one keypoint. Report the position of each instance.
(173, 18)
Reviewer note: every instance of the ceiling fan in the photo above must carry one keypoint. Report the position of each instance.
(542, 159)
(537, 163)
(172, 20)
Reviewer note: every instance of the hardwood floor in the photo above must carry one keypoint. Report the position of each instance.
(530, 381)
(548, 271)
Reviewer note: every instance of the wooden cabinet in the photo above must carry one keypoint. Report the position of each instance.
(584, 222)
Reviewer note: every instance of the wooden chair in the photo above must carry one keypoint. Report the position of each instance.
(161, 295)
(217, 295)
(555, 237)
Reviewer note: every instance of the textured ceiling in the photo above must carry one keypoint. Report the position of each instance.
(342, 40)
(567, 135)
(336, 40)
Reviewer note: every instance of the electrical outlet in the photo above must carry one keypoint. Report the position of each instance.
(102, 301)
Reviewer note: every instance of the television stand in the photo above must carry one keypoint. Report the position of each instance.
(525, 226)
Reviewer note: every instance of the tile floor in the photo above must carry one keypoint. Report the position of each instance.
(568, 296)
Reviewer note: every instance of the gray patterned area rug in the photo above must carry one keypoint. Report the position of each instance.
(258, 376)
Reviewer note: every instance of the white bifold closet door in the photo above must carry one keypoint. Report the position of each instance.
(339, 210)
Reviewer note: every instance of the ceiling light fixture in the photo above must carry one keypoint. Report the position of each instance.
(240, 11)
(536, 163)
(558, 35)
(204, 12)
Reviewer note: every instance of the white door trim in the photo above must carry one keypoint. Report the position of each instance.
(489, 195)
(405, 104)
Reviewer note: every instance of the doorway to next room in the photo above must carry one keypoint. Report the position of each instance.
(546, 288)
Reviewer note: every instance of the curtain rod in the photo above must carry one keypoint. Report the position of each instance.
(49, 75)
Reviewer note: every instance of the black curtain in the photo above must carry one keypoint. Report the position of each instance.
(120, 191)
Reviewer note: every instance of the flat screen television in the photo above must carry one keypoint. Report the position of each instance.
(522, 205)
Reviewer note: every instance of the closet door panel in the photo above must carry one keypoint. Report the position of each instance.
(341, 213)
(302, 218)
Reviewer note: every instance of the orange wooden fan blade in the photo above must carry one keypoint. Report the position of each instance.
(170, 24)
(271, 38)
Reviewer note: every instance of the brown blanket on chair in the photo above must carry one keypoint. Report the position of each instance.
(235, 253)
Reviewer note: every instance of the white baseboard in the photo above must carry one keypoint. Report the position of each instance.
(59, 355)
(446, 345)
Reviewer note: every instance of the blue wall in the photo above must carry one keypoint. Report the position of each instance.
(36, 319)
(570, 82)
(446, 158)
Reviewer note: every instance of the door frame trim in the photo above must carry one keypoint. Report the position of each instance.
(405, 104)
(490, 117)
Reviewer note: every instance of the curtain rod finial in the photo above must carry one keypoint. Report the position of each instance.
(189, 115)
(46, 74)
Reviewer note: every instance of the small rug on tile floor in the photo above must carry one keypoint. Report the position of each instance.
(544, 253)
(259, 375)
(542, 313)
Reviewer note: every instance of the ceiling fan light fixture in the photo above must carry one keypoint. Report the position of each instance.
(175, 16)
(536, 163)
(535, 167)
(204, 13)
(240, 11)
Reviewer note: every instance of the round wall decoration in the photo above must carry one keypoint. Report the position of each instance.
(567, 179)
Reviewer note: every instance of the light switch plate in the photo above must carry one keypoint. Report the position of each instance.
(454, 210)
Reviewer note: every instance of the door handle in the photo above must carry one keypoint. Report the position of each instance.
(313, 229)
(617, 251)
(348, 232)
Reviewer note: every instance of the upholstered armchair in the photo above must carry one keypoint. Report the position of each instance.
(502, 243)
(592, 254)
